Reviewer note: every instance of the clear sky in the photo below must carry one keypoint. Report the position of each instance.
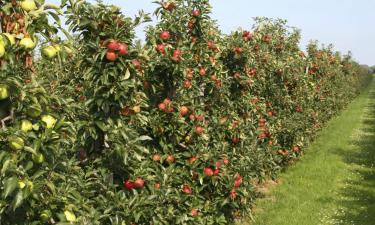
(347, 24)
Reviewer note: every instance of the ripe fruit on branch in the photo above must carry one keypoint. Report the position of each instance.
(157, 185)
(213, 77)
(283, 152)
(123, 49)
(156, 158)
(202, 72)
(9, 39)
(129, 185)
(28, 5)
(2, 50)
(162, 106)
(4, 93)
(45, 215)
(233, 194)
(171, 159)
(138, 183)
(199, 118)
(187, 189)
(49, 52)
(34, 110)
(208, 172)
(187, 84)
(70, 216)
(190, 24)
(113, 46)
(160, 48)
(199, 130)
(136, 109)
(27, 43)
(38, 158)
(238, 51)
(211, 45)
(111, 56)
(196, 13)
(296, 148)
(226, 161)
(165, 35)
(235, 140)
(137, 64)
(238, 181)
(176, 55)
(169, 6)
(247, 35)
(26, 126)
(194, 212)
(184, 110)
(193, 159)
(49, 120)
(16, 143)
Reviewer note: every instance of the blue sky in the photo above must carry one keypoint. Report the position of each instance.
(347, 24)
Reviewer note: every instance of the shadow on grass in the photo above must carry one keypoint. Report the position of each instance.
(357, 205)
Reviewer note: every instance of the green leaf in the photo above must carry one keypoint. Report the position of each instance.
(144, 138)
(127, 74)
(18, 200)
(101, 125)
(10, 185)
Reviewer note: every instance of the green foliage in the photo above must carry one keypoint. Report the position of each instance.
(179, 130)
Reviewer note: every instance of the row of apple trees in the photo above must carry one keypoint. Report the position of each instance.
(182, 129)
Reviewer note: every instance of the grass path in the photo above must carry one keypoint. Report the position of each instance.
(334, 183)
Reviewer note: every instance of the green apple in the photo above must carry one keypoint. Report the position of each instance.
(2, 50)
(49, 120)
(49, 52)
(21, 184)
(26, 126)
(11, 38)
(28, 5)
(45, 215)
(70, 216)
(4, 93)
(38, 158)
(16, 143)
(34, 110)
(27, 43)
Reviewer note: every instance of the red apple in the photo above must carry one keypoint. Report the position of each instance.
(161, 48)
(111, 56)
(136, 63)
(208, 172)
(165, 35)
(193, 159)
(187, 189)
(128, 184)
(156, 157)
(171, 159)
(184, 110)
(194, 212)
(202, 72)
(196, 13)
(199, 130)
(139, 183)
(123, 49)
(113, 46)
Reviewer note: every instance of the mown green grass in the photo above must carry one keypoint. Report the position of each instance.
(334, 183)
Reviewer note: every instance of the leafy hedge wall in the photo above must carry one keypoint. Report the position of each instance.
(178, 130)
